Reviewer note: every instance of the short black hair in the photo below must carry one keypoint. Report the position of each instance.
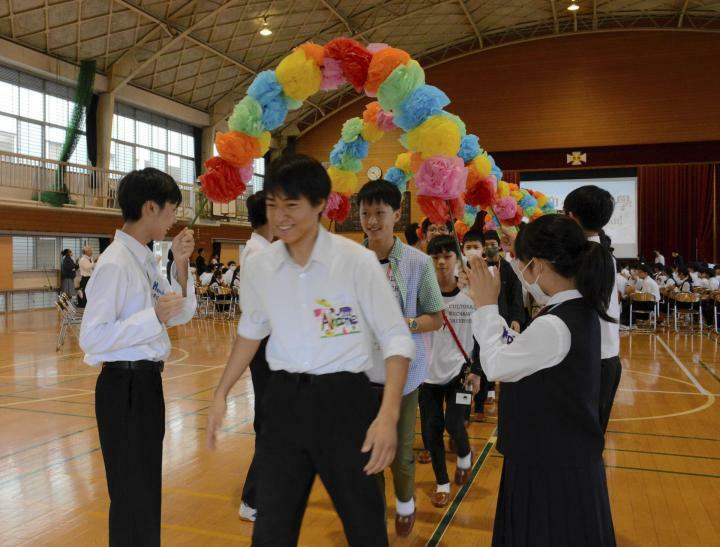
(201, 251)
(491, 236)
(380, 191)
(257, 213)
(473, 235)
(426, 224)
(296, 175)
(65, 252)
(149, 184)
(231, 262)
(411, 234)
(645, 268)
(591, 206)
(442, 244)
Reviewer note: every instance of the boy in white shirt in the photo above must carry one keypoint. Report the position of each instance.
(646, 283)
(124, 329)
(451, 347)
(321, 299)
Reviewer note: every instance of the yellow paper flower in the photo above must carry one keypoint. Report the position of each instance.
(299, 76)
(503, 189)
(482, 165)
(264, 140)
(371, 133)
(436, 136)
(344, 182)
(404, 162)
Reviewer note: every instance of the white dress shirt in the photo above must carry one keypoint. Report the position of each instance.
(446, 359)
(620, 285)
(228, 275)
(86, 266)
(508, 356)
(119, 322)
(321, 317)
(714, 283)
(206, 278)
(649, 285)
(254, 244)
(660, 259)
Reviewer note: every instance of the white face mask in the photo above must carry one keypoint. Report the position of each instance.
(533, 288)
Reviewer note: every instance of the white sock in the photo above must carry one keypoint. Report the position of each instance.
(464, 463)
(405, 508)
(491, 394)
(443, 488)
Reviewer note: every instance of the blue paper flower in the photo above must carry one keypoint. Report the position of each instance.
(359, 148)
(494, 169)
(423, 102)
(274, 113)
(337, 152)
(397, 177)
(265, 87)
(469, 148)
(528, 201)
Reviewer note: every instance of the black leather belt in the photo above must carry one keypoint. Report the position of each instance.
(305, 378)
(136, 365)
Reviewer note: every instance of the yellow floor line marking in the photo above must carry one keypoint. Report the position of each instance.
(46, 399)
(48, 358)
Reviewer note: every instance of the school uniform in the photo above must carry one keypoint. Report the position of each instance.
(206, 278)
(228, 275)
(411, 275)
(444, 379)
(321, 319)
(121, 332)
(67, 276)
(553, 489)
(259, 373)
(85, 265)
(649, 285)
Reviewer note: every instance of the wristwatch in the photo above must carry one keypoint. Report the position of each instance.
(413, 325)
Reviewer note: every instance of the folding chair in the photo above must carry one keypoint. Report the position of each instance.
(687, 305)
(70, 319)
(644, 303)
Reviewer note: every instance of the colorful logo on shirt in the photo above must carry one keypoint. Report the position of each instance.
(156, 291)
(335, 320)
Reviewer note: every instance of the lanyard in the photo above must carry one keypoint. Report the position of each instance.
(450, 327)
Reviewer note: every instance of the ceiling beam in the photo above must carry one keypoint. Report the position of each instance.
(683, 11)
(595, 16)
(337, 14)
(404, 16)
(132, 71)
(471, 21)
(556, 22)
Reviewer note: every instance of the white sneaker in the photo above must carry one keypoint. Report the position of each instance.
(247, 513)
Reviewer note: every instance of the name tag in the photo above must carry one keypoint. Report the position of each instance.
(463, 398)
(335, 318)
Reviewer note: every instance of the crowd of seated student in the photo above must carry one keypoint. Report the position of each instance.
(665, 281)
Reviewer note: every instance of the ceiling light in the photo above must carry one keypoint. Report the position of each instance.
(265, 30)
(573, 7)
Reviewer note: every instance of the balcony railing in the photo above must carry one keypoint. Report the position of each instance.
(23, 179)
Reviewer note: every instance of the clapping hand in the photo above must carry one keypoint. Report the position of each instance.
(483, 285)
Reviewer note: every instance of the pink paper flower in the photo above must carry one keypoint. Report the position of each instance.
(375, 47)
(332, 74)
(246, 172)
(490, 226)
(385, 121)
(441, 177)
(505, 208)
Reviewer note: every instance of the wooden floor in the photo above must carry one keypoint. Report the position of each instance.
(662, 455)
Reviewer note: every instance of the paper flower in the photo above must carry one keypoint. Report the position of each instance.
(436, 136)
(437, 210)
(480, 191)
(441, 177)
(381, 66)
(299, 76)
(371, 112)
(332, 75)
(371, 133)
(314, 52)
(461, 229)
(469, 148)
(354, 60)
(247, 117)
(527, 201)
(337, 208)
(505, 208)
(482, 165)
(223, 182)
(236, 147)
(397, 177)
(344, 182)
(401, 82)
(386, 121)
(470, 214)
(404, 162)
(268, 92)
(458, 122)
(351, 129)
(490, 226)
(420, 104)
(264, 142)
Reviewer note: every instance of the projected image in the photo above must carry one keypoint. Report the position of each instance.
(622, 228)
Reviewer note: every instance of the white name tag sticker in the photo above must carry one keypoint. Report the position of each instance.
(463, 398)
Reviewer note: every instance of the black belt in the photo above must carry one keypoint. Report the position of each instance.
(136, 365)
(305, 378)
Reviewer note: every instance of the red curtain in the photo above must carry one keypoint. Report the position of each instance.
(512, 176)
(676, 207)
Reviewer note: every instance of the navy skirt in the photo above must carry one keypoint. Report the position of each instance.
(553, 506)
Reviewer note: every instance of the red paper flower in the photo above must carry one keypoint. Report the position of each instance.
(338, 207)
(222, 182)
(480, 191)
(435, 209)
(354, 59)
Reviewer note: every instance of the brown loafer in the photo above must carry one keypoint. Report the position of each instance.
(440, 499)
(462, 475)
(424, 456)
(404, 524)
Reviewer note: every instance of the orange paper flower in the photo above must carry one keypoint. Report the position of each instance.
(237, 148)
(382, 64)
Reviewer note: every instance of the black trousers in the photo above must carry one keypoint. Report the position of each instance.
(434, 420)
(482, 395)
(130, 412)
(316, 425)
(610, 371)
(82, 297)
(260, 373)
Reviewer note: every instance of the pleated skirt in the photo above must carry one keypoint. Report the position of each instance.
(553, 506)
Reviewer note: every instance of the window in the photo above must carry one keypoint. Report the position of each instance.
(141, 139)
(42, 253)
(34, 115)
